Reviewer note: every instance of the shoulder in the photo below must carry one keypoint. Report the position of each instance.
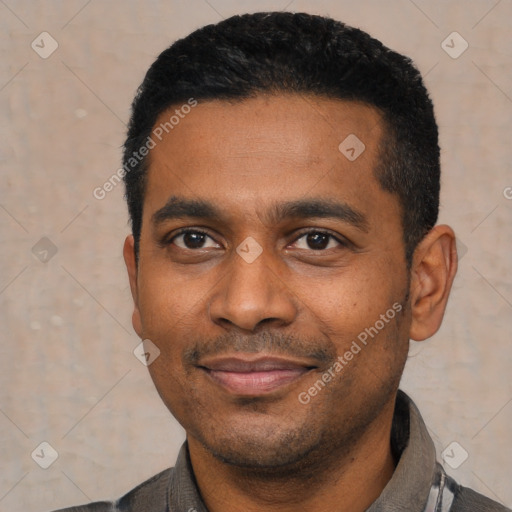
(151, 495)
(467, 500)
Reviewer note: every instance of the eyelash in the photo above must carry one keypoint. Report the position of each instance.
(343, 242)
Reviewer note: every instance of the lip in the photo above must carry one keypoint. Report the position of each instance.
(253, 376)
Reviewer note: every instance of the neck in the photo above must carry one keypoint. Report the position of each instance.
(348, 479)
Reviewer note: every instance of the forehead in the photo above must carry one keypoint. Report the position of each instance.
(302, 122)
(257, 150)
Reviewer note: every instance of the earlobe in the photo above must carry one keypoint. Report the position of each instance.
(131, 267)
(433, 270)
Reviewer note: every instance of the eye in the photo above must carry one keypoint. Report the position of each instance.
(192, 239)
(318, 241)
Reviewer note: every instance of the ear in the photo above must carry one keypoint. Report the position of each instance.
(433, 269)
(131, 267)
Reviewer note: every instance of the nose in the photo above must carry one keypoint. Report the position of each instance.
(252, 294)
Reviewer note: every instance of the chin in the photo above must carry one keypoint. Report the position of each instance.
(264, 446)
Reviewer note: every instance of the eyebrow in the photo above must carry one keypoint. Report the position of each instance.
(179, 208)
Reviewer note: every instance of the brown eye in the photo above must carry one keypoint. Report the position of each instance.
(193, 239)
(317, 241)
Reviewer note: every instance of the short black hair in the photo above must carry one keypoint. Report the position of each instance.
(282, 52)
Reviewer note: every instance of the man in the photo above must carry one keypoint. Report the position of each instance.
(282, 178)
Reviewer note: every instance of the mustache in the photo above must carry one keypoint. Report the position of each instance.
(273, 343)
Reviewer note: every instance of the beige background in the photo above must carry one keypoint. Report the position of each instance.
(69, 376)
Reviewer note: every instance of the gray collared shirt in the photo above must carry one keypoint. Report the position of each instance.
(419, 483)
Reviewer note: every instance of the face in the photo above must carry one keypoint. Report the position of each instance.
(272, 277)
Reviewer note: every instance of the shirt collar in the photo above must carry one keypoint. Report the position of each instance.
(409, 487)
(408, 490)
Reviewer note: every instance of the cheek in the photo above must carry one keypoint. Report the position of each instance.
(346, 304)
(166, 300)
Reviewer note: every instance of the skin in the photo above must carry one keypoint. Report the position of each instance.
(303, 298)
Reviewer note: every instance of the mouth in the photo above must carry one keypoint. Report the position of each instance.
(249, 376)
